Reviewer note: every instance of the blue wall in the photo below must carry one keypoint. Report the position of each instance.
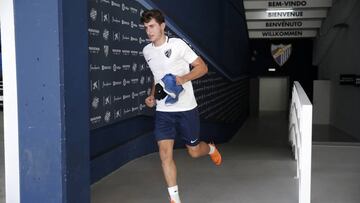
(52, 91)
(218, 26)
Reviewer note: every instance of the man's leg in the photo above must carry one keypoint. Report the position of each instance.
(189, 127)
(203, 149)
(167, 161)
(169, 168)
(199, 150)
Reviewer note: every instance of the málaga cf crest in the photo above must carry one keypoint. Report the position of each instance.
(281, 53)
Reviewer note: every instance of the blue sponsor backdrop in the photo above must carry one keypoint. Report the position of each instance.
(121, 79)
(222, 96)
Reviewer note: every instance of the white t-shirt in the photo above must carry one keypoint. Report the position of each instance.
(174, 56)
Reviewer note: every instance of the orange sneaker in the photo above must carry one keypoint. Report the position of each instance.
(172, 201)
(216, 156)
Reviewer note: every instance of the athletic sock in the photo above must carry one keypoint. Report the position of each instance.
(212, 149)
(174, 193)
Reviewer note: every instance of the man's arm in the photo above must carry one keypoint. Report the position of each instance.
(199, 69)
(150, 100)
(152, 89)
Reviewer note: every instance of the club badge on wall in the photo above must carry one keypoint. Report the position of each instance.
(281, 53)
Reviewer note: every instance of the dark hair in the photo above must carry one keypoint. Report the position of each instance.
(156, 14)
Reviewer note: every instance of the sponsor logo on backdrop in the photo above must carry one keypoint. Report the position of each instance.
(103, 67)
(125, 37)
(124, 22)
(126, 111)
(95, 85)
(94, 50)
(93, 14)
(105, 1)
(142, 80)
(133, 25)
(95, 102)
(117, 99)
(117, 114)
(126, 82)
(281, 53)
(116, 51)
(141, 40)
(134, 95)
(116, 68)
(117, 83)
(141, 26)
(107, 116)
(106, 50)
(148, 91)
(126, 96)
(142, 93)
(95, 120)
(134, 53)
(134, 81)
(126, 67)
(94, 32)
(133, 109)
(106, 84)
(106, 100)
(126, 52)
(115, 4)
(106, 34)
(105, 17)
(133, 39)
(115, 20)
(141, 12)
(142, 106)
(116, 36)
(134, 67)
(148, 79)
(94, 67)
(168, 33)
(133, 10)
(124, 7)
(141, 53)
(142, 67)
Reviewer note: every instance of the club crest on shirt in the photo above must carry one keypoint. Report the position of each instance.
(168, 53)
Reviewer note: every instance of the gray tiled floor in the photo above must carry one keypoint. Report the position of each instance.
(257, 169)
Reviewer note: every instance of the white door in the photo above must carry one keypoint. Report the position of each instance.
(273, 94)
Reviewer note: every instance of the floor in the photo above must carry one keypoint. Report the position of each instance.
(257, 168)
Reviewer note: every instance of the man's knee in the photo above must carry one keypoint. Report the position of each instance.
(194, 152)
(166, 155)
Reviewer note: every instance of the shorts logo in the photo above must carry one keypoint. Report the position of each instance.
(168, 53)
(193, 141)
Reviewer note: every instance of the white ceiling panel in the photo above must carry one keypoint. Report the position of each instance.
(283, 24)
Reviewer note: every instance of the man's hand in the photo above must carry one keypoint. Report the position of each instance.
(180, 80)
(150, 101)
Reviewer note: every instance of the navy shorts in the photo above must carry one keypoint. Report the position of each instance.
(185, 123)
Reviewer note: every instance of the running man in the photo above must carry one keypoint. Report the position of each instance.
(164, 56)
